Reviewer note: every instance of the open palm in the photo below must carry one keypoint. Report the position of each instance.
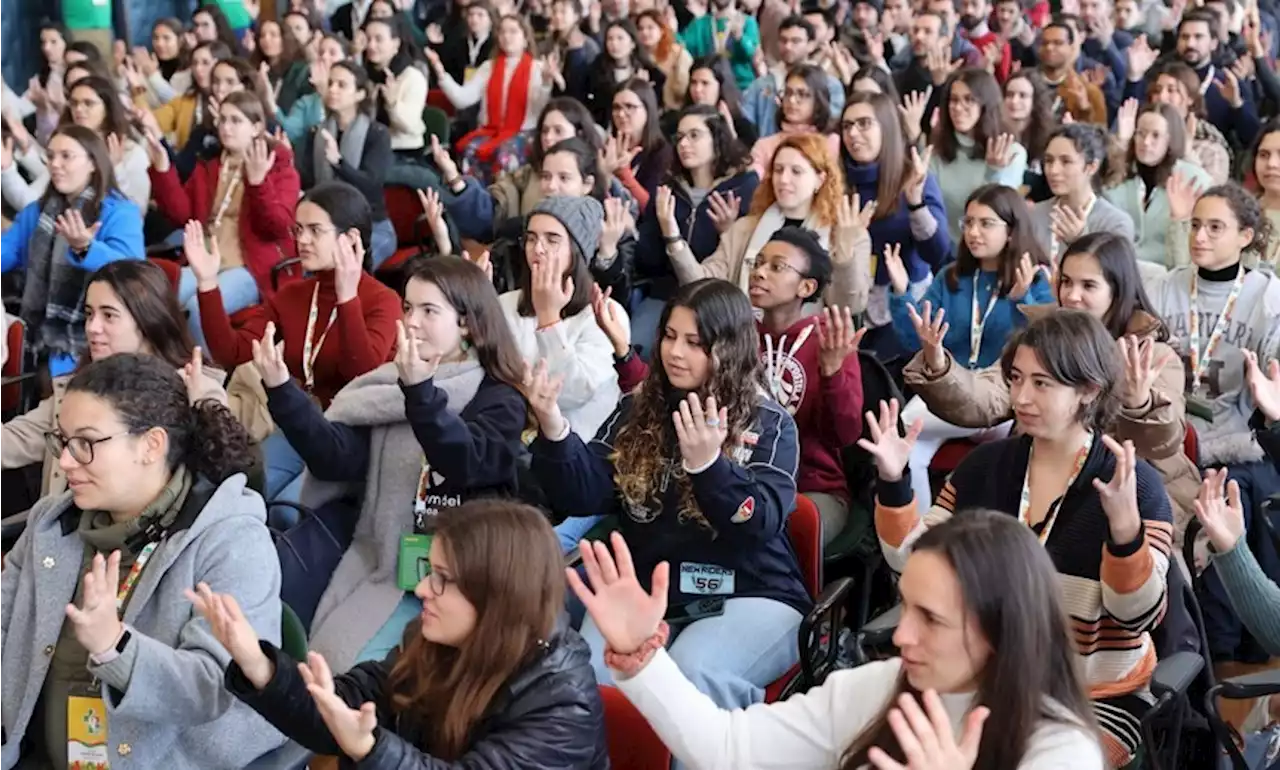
(890, 450)
(623, 611)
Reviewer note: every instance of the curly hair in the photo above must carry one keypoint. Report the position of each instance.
(731, 156)
(146, 392)
(1248, 213)
(646, 445)
(826, 200)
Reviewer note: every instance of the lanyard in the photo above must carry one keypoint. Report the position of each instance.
(1208, 80)
(473, 50)
(225, 203)
(980, 321)
(131, 579)
(1198, 359)
(1051, 515)
(1053, 239)
(309, 357)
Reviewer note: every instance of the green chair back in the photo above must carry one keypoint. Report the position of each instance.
(437, 122)
(293, 635)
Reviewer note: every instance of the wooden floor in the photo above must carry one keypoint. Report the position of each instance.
(1236, 712)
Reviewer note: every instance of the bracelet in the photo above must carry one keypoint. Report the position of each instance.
(917, 206)
(629, 664)
(672, 239)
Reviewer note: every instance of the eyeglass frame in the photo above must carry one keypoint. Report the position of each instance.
(57, 443)
(437, 583)
(964, 222)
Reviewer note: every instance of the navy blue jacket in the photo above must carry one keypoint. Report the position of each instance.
(746, 501)
(920, 257)
(651, 260)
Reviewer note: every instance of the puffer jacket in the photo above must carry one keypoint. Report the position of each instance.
(980, 398)
(548, 714)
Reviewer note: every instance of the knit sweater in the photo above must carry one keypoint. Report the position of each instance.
(700, 35)
(1254, 596)
(812, 730)
(1104, 217)
(1150, 215)
(1114, 593)
(958, 178)
(362, 338)
(475, 91)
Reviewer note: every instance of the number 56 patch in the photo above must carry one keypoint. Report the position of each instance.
(705, 579)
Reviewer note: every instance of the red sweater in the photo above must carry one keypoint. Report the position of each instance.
(1005, 68)
(266, 211)
(828, 418)
(363, 336)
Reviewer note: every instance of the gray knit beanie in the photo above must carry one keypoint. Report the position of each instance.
(582, 216)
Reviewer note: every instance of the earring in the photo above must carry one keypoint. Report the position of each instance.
(465, 344)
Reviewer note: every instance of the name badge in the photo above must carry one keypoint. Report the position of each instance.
(87, 733)
(705, 579)
(467, 73)
(414, 563)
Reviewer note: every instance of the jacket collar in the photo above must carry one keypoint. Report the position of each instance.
(1141, 324)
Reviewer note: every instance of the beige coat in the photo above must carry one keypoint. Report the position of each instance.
(23, 441)
(980, 399)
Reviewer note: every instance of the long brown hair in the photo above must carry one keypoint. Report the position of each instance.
(646, 444)
(148, 296)
(985, 90)
(1012, 209)
(507, 564)
(290, 51)
(473, 297)
(826, 199)
(103, 180)
(1127, 165)
(1035, 137)
(1031, 674)
(895, 160)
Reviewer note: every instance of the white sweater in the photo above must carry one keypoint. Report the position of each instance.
(475, 91)
(577, 350)
(810, 731)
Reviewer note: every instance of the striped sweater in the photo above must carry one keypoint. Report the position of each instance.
(1114, 594)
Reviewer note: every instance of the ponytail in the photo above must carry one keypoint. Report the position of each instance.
(219, 446)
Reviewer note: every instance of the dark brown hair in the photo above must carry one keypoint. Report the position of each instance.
(103, 180)
(1012, 209)
(652, 140)
(731, 157)
(114, 120)
(986, 92)
(579, 270)
(1155, 176)
(506, 562)
(290, 50)
(1035, 137)
(895, 160)
(1119, 263)
(149, 298)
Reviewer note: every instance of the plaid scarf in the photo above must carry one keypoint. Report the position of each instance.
(53, 297)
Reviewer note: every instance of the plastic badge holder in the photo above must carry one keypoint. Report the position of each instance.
(415, 562)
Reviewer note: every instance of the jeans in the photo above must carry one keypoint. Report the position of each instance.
(832, 511)
(731, 657)
(283, 467)
(572, 529)
(389, 636)
(383, 242)
(239, 291)
(936, 432)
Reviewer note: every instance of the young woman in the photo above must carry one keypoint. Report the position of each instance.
(805, 109)
(873, 80)
(282, 62)
(350, 146)
(486, 675)
(802, 188)
(401, 87)
(1266, 176)
(129, 307)
(711, 84)
(1178, 85)
(667, 54)
(511, 89)
(471, 43)
(999, 683)
(229, 76)
(712, 185)
(80, 224)
(309, 109)
(623, 58)
(1000, 269)
(45, 89)
(306, 27)
(1028, 115)
(970, 145)
(637, 154)
(1155, 143)
(1100, 512)
(176, 118)
(570, 47)
(438, 427)
(879, 167)
(335, 324)
(1072, 160)
(164, 71)
(157, 490)
(245, 196)
(211, 25)
(95, 104)
(711, 494)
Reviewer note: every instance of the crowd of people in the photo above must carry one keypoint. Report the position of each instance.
(682, 268)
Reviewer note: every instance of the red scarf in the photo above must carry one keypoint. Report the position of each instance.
(505, 120)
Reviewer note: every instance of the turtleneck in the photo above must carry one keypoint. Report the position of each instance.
(324, 278)
(1222, 274)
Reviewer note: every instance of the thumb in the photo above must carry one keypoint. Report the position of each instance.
(661, 580)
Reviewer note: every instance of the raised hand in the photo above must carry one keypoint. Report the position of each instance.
(319, 76)
(414, 364)
(700, 433)
(912, 109)
(6, 156)
(331, 152)
(616, 154)
(837, 339)
(890, 450)
(665, 208)
(1024, 276)
(448, 169)
(483, 262)
(437, 66)
(723, 210)
(542, 391)
(1119, 496)
(932, 330)
(899, 280)
(96, 622)
(723, 109)
(1229, 87)
(1183, 192)
(435, 35)
(1066, 222)
(913, 185)
(1219, 510)
(232, 630)
(615, 328)
(1264, 387)
(992, 55)
(258, 162)
(193, 374)
(939, 63)
(553, 69)
(203, 261)
(625, 614)
(348, 267)
(1000, 150)
(927, 742)
(615, 225)
(115, 149)
(1140, 57)
(71, 226)
(433, 209)
(1140, 370)
(156, 152)
(352, 729)
(268, 358)
(1127, 120)
(853, 218)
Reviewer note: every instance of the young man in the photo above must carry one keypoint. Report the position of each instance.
(728, 31)
(974, 27)
(1081, 98)
(795, 46)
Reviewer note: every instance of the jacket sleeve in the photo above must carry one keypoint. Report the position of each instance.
(241, 562)
(470, 94)
(1134, 575)
(767, 479)
(1254, 596)
(171, 195)
(367, 335)
(631, 373)
(286, 704)
(331, 450)
(963, 397)
(23, 436)
(13, 244)
(584, 361)
(229, 346)
(477, 451)
(271, 204)
(581, 474)
(1157, 430)
(473, 209)
(934, 248)
(720, 263)
(306, 112)
(17, 191)
(119, 237)
(898, 304)
(616, 275)
(133, 176)
(375, 161)
(842, 402)
(1268, 437)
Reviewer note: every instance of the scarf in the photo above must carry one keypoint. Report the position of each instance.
(102, 534)
(350, 145)
(769, 223)
(375, 398)
(53, 296)
(504, 120)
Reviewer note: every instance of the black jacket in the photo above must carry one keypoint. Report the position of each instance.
(369, 177)
(547, 715)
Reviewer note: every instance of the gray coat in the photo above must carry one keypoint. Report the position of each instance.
(166, 704)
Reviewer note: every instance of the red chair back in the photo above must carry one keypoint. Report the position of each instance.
(632, 743)
(172, 270)
(1191, 444)
(804, 527)
(15, 339)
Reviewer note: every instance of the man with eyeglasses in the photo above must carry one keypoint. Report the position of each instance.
(795, 46)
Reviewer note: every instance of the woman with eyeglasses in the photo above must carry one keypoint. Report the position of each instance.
(333, 325)
(711, 84)
(105, 658)
(805, 109)
(637, 154)
(622, 59)
(1000, 269)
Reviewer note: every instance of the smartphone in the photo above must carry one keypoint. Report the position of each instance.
(681, 614)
